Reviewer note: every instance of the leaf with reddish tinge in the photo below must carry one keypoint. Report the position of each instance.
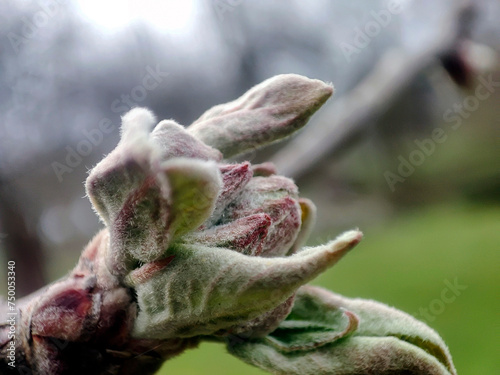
(244, 235)
(277, 197)
(264, 169)
(312, 324)
(234, 179)
(125, 168)
(381, 320)
(172, 141)
(377, 339)
(178, 199)
(270, 111)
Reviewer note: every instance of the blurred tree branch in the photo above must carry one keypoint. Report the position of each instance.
(339, 123)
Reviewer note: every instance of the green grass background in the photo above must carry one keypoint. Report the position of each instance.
(405, 263)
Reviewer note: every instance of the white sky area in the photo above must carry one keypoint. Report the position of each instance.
(167, 15)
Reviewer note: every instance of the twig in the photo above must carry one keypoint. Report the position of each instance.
(340, 121)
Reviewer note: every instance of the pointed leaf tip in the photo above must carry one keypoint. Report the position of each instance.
(173, 303)
(270, 111)
(376, 339)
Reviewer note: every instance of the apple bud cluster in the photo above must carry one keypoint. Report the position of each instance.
(196, 248)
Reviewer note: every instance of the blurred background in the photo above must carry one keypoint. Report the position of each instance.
(407, 149)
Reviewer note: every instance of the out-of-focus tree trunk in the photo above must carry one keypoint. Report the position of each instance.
(20, 241)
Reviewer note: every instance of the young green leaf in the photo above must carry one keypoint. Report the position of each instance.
(268, 112)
